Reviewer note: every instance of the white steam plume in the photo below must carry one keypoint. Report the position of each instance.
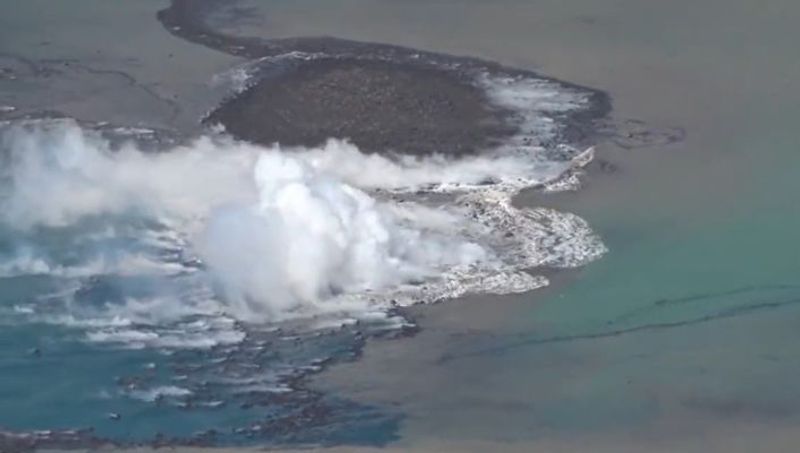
(282, 234)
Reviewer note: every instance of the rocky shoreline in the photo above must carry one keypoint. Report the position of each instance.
(377, 105)
(383, 97)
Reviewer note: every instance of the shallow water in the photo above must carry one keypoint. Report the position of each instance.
(685, 329)
(688, 326)
(103, 62)
(203, 284)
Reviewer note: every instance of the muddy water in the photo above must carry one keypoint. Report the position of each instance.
(687, 328)
(101, 62)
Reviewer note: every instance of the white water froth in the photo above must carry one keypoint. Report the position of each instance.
(158, 393)
(264, 235)
(241, 77)
(27, 262)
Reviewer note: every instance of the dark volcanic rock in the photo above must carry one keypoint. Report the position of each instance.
(378, 105)
(382, 97)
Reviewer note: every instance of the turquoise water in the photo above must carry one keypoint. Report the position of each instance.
(686, 331)
(54, 373)
(670, 249)
(48, 393)
(55, 376)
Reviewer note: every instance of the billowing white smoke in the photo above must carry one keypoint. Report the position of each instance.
(311, 237)
(439, 172)
(280, 233)
(55, 173)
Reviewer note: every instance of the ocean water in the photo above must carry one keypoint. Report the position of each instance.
(683, 337)
(196, 299)
(165, 283)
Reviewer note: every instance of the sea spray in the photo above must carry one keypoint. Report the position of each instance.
(242, 268)
(311, 237)
(275, 234)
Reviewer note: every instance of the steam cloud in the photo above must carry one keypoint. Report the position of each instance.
(220, 227)
(279, 233)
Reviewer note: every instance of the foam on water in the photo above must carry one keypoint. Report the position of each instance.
(158, 393)
(241, 77)
(277, 234)
(250, 266)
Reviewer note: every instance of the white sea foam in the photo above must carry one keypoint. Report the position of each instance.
(157, 393)
(535, 102)
(240, 77)
(28, 262)
(177, 338)
(328, 234)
